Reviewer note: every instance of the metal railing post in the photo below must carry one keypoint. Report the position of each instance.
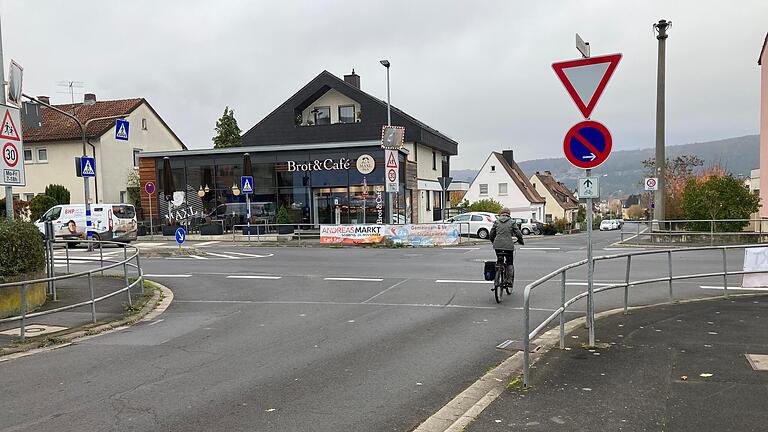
(66, 243)
(711, 232)
(562, 314)
(526, 337)
(93, 303)
(125, 273)
(626, 284)
(725, 274)
(23, 327)
(101, 258)
(669, 261)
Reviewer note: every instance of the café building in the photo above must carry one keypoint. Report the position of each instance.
(318, 155)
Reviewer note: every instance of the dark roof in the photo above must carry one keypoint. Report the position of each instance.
(762, 50)
(522, 182)
(279, 126)
(631, 200)
(562, 195)
(58, 127)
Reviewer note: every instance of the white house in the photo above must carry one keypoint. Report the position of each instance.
(50, 147)
(501, 179)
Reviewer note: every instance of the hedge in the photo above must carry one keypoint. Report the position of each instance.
(21, 249)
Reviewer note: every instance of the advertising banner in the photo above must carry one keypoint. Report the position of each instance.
(351, 234)
(424, 234)
(755, 259)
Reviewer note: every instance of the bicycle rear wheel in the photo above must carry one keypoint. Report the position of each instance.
(511, 284)
(498, 285)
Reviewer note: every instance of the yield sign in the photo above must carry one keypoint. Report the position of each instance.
(585, 79)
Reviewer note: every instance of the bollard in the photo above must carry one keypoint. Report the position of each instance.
(93, 303)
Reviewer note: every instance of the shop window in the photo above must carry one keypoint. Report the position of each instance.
(346, 113)
(502, 188)
(483, 189)
(322, 115)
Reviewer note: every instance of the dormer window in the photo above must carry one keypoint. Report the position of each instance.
(322, 115)
(346, 113)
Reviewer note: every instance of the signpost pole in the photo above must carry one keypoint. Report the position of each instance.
(590, 272)
(8, 189)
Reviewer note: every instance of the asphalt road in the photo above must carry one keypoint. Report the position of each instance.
(315, 339)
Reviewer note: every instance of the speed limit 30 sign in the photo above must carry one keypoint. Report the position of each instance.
(11, 164)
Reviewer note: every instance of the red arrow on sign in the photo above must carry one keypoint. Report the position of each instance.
(585, 79)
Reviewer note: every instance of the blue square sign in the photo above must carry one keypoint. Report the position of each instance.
(246, 184)
(121, 129)
(88, 167)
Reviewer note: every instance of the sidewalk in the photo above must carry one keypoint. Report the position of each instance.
(71, 291)
(667, 368)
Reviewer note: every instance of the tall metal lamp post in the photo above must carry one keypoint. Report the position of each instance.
(660, 29)
(390, 206)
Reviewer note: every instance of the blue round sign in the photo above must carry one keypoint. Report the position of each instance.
(180, 235)
(587, 144)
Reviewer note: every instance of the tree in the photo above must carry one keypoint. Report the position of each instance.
(485, 205)
(39, 205)
(133, 188)
(679, 171)
(20, 209)
(635, 212)
(227, 131)
(718, 197)
(58, 193)
(581, 215)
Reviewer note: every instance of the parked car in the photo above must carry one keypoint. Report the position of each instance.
(608, 225)
(619, 222)
(529, 226)
(474, 223)
(116, 222)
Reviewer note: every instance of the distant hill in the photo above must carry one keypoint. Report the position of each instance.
(622, 173)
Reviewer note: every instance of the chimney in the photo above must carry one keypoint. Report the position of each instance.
(508, 156)
(44, 99)
(352, 79)
(548, 172)
(89, 99)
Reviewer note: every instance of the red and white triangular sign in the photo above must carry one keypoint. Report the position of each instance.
(391, 161)
(8, 129)
(585, 79)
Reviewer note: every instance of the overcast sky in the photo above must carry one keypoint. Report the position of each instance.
(478, 71)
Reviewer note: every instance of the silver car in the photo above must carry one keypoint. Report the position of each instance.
(474, 223)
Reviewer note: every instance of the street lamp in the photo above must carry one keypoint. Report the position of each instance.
(660, 29)
(385, 63)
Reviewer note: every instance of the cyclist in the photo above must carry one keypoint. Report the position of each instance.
(502, 236)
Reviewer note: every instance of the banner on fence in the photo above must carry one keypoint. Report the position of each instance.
(351, 234)
(755, 259)
(424, 234)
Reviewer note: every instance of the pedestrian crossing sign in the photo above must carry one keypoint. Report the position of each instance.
(88, 167)
(246, 184)
(121, 129)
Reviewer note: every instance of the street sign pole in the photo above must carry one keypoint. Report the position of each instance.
(590, 272)
(8, 189)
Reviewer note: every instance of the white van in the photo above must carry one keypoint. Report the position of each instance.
(116, 222)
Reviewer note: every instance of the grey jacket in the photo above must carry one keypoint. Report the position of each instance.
(502, 233)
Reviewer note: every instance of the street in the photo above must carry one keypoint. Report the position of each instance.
(305, 339)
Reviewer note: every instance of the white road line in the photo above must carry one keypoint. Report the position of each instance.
(623, 249)
(732, 288)
(461, 248)
(221, 256)
(251, 255)
(198, 257)
(539, 248)
(254, 277)
(208, 243)
(331, 303)
(397, 284)
(463, 281)
(157, 322)
(168, 275)
(353, 279)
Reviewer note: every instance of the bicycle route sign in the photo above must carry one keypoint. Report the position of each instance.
(587, 144)
(12, 147)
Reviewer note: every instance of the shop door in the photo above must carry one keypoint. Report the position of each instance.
(326, 202)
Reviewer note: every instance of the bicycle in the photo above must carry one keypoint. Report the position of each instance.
(499, 282)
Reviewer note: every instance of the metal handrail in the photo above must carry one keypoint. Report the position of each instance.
(565, 303)
(131, 261)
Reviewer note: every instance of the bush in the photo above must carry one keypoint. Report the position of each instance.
(549, 229)
(39, 205)
(282, 216)
(485, 205)
(718, 197)
(58, 193)
(596, 222)
(20, 209)
(21, 249)
(560, 225)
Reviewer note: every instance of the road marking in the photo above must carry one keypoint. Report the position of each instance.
(463, 281)
(540, 248)
(253, 277)
(397, 284)
(252, 255)
(461, 248)
(168, 275)
(221, 256)
(732, 288)
(198, 257)
(353, 279)
(208, 243)
(424, 305)
(157, 322)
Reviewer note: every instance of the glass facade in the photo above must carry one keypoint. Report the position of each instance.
(315, 187)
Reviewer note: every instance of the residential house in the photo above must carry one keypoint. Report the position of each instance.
(457, 190)
(51, 146)
(501, 179)
(304, 156)
(627, 203)
(559, 201)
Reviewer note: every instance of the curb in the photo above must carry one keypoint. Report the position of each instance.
(161, 299)
(463, 409)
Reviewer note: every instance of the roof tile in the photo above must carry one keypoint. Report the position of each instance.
(58, 127)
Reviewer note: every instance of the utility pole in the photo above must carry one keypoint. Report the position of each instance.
(391, 206)
(659, 213)
(8, 189)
